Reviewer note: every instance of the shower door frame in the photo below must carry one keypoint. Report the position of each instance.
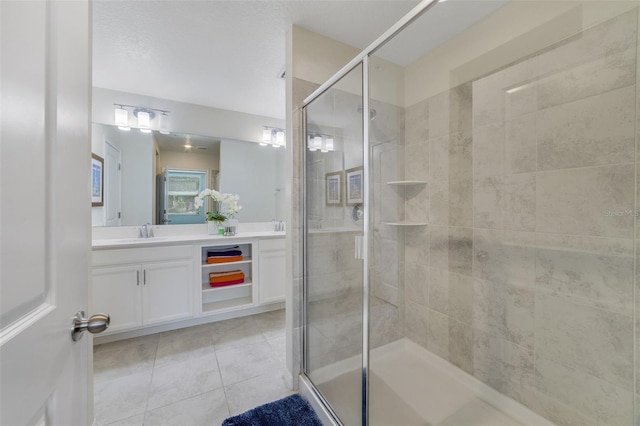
(360, 59)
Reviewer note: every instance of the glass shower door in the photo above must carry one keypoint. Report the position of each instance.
(334, 190)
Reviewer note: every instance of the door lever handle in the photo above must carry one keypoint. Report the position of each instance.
(95, 324)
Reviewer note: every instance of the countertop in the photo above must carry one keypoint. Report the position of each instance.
(111, 243)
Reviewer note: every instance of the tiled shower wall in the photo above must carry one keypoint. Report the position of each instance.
(525, 275)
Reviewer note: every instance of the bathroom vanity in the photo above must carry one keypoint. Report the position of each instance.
(148, 285)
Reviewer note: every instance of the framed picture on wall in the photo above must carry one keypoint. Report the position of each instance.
(97, 181)
(333, 193)
(355, 188)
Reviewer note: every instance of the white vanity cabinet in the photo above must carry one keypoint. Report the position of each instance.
(143, 286)
(271, 261)
(162, 285)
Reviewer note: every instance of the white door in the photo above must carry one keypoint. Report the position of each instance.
(45, 223)
(112, 185)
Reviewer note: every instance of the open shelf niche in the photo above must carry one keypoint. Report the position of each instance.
(232, 296)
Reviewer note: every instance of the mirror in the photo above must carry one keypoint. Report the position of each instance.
(134, 163)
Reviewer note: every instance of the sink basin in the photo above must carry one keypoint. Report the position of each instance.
(142, 240)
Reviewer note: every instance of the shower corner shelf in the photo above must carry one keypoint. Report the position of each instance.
(406, 223)
(407, 182)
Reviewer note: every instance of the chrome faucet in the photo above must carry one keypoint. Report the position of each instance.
(145, 231)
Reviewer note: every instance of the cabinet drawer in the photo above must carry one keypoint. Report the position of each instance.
(272, 244)
(137, 255)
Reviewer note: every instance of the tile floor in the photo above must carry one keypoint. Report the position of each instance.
(194, 376)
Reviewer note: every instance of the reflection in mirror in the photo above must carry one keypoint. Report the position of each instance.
(136, 165)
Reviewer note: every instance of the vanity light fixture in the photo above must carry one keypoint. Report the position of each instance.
(317, 141)
(144, 116)
(272, 136)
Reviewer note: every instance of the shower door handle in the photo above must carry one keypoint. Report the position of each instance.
(359, 247)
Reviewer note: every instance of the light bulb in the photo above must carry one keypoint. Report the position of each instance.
(122, 118)
(329, 143)
(144, 121)
(266, 137)
(163, 124)
(311, 144)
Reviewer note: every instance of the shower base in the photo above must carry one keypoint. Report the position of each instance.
(411, 386)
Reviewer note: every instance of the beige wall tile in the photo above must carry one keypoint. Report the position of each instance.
(504, 311)
(520, 202)
(504, 366)
(592, 341)
(593, 131)
(416, 123)
(555, 410)
(520, 145)
(416, 322)
(504, 257)
(578, 201)
(600, 59)
(439, 158)
(488, 199)
(439, 203)
(416, 284)
(439, 290)
(597, 399)
(416, 245)
(489, 150)
(417, 161)
(461, 345)
(460, 300)
(439, 108)
(461, 203)
(416, 204)
(596, 270)
(438, 334)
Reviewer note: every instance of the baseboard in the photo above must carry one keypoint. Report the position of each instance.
(176, 325)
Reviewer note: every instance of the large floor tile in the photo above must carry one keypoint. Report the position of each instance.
(178, 381)
(121, 398)
(246, 395)
(203, 410)
(247, 362)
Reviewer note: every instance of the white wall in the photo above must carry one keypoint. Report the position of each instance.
(137, 171)
(257, 190)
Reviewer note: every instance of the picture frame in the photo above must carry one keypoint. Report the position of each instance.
(333, 189)
(97, 181)
(355, 186)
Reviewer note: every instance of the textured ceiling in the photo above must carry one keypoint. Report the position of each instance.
(224, 54)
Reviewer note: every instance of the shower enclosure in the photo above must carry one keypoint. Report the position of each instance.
(470, 191)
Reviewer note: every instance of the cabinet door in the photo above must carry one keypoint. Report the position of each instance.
(117, 291)
(271, 274)
(168, 291)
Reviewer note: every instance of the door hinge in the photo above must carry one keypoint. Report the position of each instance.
(119, 215)
(119, 166)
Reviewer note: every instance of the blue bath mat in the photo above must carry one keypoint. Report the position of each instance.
(290, 411)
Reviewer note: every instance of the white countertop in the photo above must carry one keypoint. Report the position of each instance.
(110, 243)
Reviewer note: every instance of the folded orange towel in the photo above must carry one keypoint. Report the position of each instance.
(225, 278)
(222, 273)
(224, 259)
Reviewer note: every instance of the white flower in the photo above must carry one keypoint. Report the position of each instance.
(228, 202)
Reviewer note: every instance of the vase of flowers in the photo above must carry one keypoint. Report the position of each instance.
(224, 207)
